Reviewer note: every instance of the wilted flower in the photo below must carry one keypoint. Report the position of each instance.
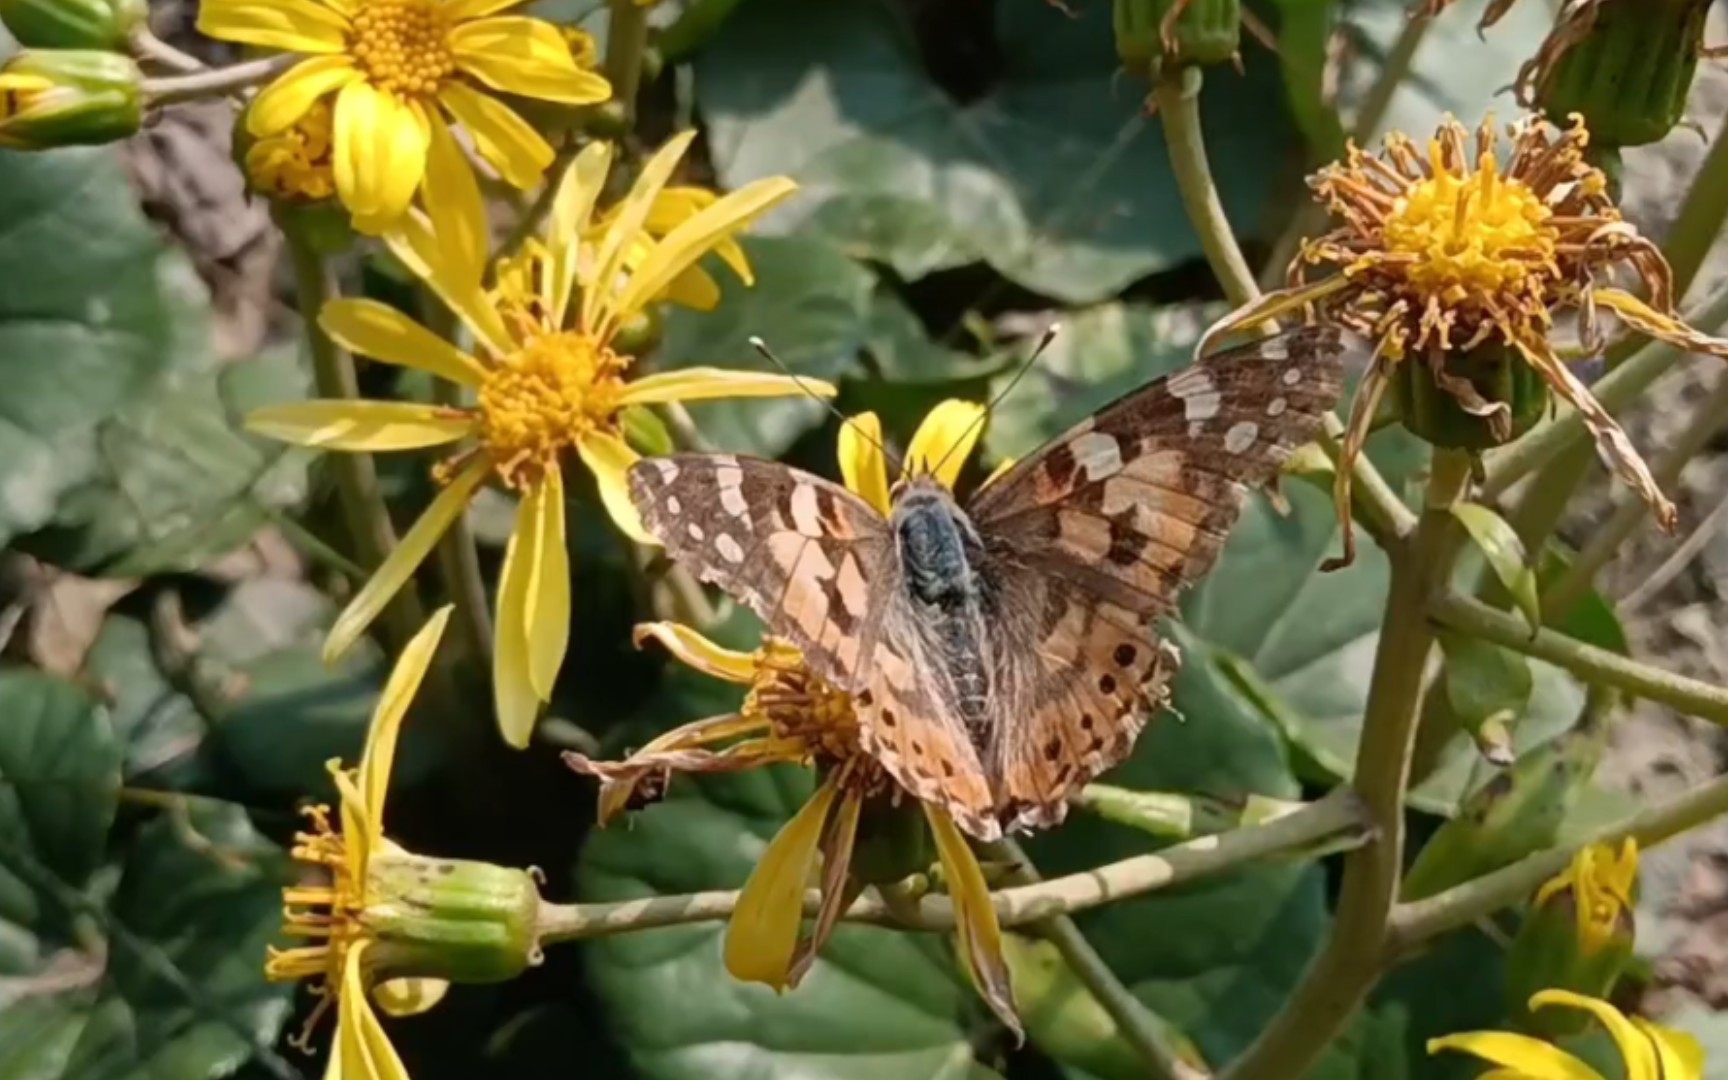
(396, 69)
(1578, 935)
(1649, 1052)
(1443, 252)
(548, 383)
(791, 715)
(1598, 887)
(388, 925)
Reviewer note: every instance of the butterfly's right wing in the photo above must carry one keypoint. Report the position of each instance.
(818, 565)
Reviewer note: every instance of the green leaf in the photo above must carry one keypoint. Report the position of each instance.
(86, 322)
(1045, 168)
(1305, 30)
(156, 724)
(1488, 690)
(810, 305)
(1505, 555)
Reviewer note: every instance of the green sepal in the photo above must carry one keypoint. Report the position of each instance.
(450, 919)
(1630, 73)
(96, 98)
(646, 432)
(71, 24)
(1498, 374)
(1546, 955)
(1206, 32)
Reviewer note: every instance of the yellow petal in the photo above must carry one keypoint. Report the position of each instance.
(281, 104)
(452, 198)
(383, 333)
(1635, 1049)
(366, 1053)
(763, 932)
(676, 205)
(359, 425)
(380, 149)
(572, 207)
(610, 460)
(463, 10)
(417, 245)
(1527, 1057)
(698, 652)
(1275, 304)
(838, 890)
(409, 997)
(976, 928)
(399, 566)
(547, 619)
(694, 289)
(513, 697)
(706, 383)
(504, 139)
(1667, 328)
(379, 756)
(944, 440)
(626, 223)
(356, 821)
(695, 238)
(519, 55)
(862, 464)
(296, 26)
(998, 472)
(1679, 1054)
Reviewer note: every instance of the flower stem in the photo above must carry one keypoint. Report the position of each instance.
(1177, 95)
(1701, 215)
(626, 41)
(1346, 969)
(1338, 815)
(370, 534)
(1171, 816)
(1134, 1022)
(1599, 667)
(145, 45)
(215, 82)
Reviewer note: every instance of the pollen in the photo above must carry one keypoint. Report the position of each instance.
(540, 401)
(328, 913)
(403, 46)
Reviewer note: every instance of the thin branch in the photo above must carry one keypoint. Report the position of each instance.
(1177, 95)
(147, 46)
(1339, 814)
(216, 82)
(1599, 667)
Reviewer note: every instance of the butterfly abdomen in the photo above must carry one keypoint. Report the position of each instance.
(940, 554)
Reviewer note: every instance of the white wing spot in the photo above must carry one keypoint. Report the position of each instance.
(1293, 376)
(730, 479)
(729, 549)
(1276, 407)
(673, 506)
(806, 517)
(695, 531)
(1098, 454)
(1199, 395)
(1241, 436)
(668, 471)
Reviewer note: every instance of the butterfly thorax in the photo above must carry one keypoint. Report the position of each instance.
(941, 559)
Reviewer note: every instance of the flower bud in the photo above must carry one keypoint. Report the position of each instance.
(71, 24)
(65, 97)
(1626, 68)
(449, 918)
(1186, 31)
(1478, 400)
(1578, 936)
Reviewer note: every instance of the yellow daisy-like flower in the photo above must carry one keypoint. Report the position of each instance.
(791, 715)
(547, 380)
(1442, 251)
(1649, 1052)
(1599, 885)
(400, 69)
(295, 164)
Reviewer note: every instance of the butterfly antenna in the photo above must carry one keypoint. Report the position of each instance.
(1044, 341)
(846, 421)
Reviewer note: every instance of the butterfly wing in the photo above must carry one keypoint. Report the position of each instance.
(817, 565)
(1093, 537)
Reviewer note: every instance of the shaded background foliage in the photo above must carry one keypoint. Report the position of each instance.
(969, 169)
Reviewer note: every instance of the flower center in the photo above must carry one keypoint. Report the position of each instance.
(1473, 238)
(544, 398)
(295, 164)
(329, 914)
(801, 705)
(401, 46)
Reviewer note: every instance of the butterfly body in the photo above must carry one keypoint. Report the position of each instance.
(1000, 651)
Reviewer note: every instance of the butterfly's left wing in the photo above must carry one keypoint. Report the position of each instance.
(1093, 537)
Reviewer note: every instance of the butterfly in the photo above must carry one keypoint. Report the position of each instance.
(1000, 653)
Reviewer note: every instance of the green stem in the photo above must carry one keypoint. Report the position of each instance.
(1170, 816)
(1134, 1022)
(1178, 99)
(626, 41)
(1615, 390)
(364, 514)
(1338, 815)
(1701, 216)
(459, 565)
(215, 82)
(1598, 667)
(1462, 905)
(1340, 977)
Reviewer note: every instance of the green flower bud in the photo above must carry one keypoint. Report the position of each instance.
(1479, 399)
(1578, 936)
(449, 918)
(65, 97)
(640, 333)
(1626, 66)
(71, 24)
(1187, 31)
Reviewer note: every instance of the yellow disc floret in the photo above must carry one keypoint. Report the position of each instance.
(540, 400)
(402, 46)
(295, 164)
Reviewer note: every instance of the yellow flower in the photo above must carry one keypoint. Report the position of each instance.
(1440, 252)
(1599, 884)
(400, 70)
(295, 164)
(1649, 1052)
(547, 383)
(791, 715)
